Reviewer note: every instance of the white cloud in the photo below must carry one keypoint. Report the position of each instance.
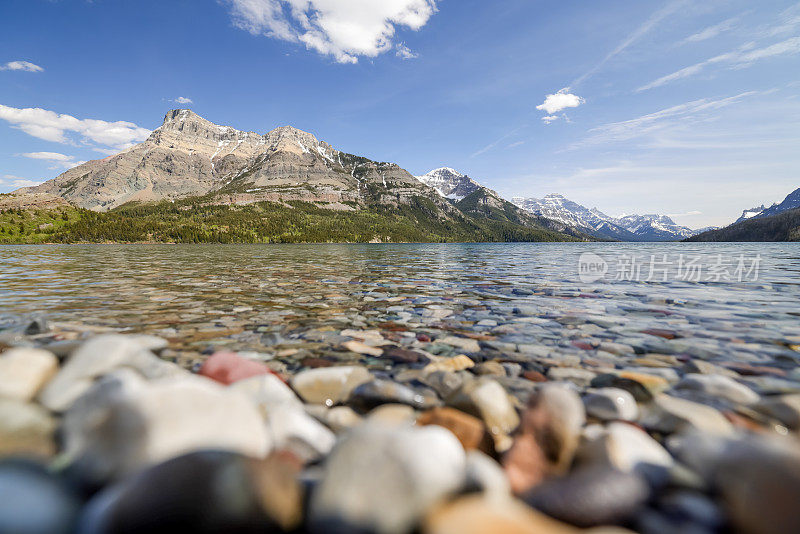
(52, 126)
(405, 52)
(344, 29)
(56, 158)
(17, 181)
(559, 102)
(183, 100)
(25, 66)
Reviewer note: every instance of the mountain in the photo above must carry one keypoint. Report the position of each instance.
(596, 223)
(193, 180)
(450, 183)
(792, 201)
(752, 212)
(783, 226)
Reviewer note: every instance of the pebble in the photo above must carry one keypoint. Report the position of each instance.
(487, 399)
(784, 408)
(485, 475)
(24, 371)
(25, 429)
(203, 492)
(291, 429)
(160, 420)
(547, 439)
(465, 344)
(590, 497)
(393, 415)
(268, 392)
(228, 367)
(717, 386)
(669, 415)
(329, 385)
(454, 364)
(384, 479)
(609, 404)
(96, 357)
(579, 377)
(480, 515)
(469, 430)
(362, 348)
(625, 448)
(35, 501)
(376, 392)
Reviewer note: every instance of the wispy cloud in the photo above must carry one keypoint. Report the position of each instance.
(183, 100)
(742, 57)
(17, 181)
(25, 66)
(494, 144)
(343, 29)
(405, 52)
(55, 127)
(56, 158)
(681, 114)
(712, 31)
(645, 28)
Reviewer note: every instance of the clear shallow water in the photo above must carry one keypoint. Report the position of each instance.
(517, 295)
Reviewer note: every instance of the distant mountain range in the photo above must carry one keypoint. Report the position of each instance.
(595, 222)
(450, 183)
(193, 180)
(779, 222)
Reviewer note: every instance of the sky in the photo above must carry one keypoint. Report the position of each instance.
(677, 107)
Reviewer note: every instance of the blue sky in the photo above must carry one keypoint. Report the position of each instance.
(673, 106)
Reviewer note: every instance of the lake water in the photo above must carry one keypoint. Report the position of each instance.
(731, 302)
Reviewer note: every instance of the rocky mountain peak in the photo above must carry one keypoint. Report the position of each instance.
(450, 183)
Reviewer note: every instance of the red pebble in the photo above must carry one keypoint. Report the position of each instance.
(424, 338)
(534, 376)
(229, 367)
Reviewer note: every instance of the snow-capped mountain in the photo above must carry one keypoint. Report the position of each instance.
(597, 223)
(450, 183)
(752, 212)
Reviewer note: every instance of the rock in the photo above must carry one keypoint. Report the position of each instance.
(445, 383)
(591, 497)
(706, 368)
(579, 377)
(403, 356)
(384, 479)
(36, 326)
(608, 404)
(268, 392)
(329, 385)
(204, 492)
(24, 371)
(34, 501)
(480, 515)
(144, 424)
(339, 419)
(451, 365)
(486, 476)
(362, 348)
(784, 408)
(96, 357)
(643, 387)
(469, 430)
(673, 415)
(759, 481)
(625, 448)
(292, 429)
(465, 344)
(25, 429)
(487, 399)
(377, 392)
(490, 368)
(228, 367)
(393, 414)
(717, 386)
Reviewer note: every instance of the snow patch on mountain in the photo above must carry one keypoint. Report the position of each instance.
(450, 183)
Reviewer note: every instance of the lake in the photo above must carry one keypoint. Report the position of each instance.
(733, 302)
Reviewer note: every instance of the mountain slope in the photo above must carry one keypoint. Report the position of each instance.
(784, 226)
(195, 181)
(450, 183)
